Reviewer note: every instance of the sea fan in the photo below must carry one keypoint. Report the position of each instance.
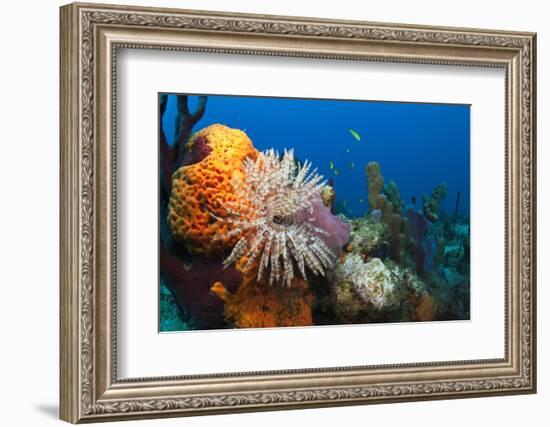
(273, 218)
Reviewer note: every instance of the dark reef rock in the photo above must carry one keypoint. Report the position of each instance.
(190, 285)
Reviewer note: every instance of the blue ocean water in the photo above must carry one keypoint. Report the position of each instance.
(418, 145)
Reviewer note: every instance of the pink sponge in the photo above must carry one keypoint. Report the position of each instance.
(338, 231)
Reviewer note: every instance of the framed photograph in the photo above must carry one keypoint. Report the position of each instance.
(267, 212)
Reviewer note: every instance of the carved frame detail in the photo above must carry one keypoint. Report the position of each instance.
(82, 399)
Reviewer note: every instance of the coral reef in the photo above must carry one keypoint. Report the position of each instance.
(399, 264)
(250, 239)
(377, 291)
(371, 280)
(203, 187)
(264, 209)
(369, 238)
(409, 243)
(280, 220)
(346, 304)
(431, 204)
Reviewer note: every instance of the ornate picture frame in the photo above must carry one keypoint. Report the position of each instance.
(91, 35)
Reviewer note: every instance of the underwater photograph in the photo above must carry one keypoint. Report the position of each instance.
(277, 212)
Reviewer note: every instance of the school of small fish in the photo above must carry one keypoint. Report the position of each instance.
(350, 165)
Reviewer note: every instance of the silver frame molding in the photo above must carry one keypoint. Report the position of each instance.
(90, 37)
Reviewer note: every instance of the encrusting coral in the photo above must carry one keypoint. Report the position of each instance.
(372, 281)
(346, 304)
(203, 185)
(378, 291)
(368, 238)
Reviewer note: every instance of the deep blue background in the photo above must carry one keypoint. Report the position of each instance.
(417, 145)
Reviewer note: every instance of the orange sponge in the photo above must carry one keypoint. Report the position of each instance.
(259, 305)
(216, 155)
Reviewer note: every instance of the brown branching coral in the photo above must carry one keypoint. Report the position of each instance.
(185, 121)
(170, 153)
(171, 156)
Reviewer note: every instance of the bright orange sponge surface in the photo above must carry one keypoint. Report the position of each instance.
(201, 189)
(259, 305)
